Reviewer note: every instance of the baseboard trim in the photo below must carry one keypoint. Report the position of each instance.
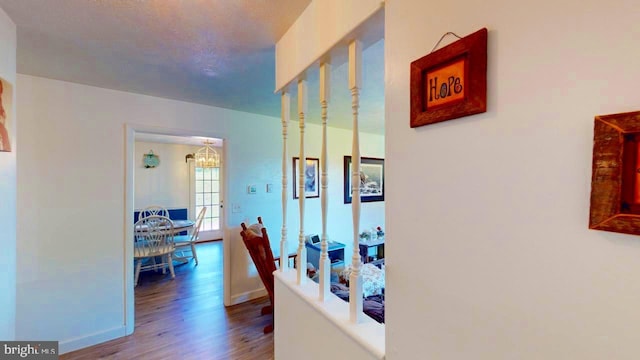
(90, 340)
(249, 295)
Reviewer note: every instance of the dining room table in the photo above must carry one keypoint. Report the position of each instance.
(178, 226)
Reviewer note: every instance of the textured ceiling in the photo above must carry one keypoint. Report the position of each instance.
(214, 52)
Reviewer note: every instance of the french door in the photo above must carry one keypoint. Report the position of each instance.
(206, 191)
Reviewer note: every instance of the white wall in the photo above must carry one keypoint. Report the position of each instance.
(71, 174)
(66, 193)
(8, 185)
(166, 185)
(327, 334)
(316, 31)
(489, 254)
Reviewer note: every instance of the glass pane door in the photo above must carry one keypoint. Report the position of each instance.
(207, 186)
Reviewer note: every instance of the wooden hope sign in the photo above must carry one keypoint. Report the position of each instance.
(451, 82)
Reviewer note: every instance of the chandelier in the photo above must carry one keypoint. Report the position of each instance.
(207, 156)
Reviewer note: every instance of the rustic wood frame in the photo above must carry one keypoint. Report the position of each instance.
(614, 173)
(472, 48)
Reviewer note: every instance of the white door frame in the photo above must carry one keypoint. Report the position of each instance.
(130, 134)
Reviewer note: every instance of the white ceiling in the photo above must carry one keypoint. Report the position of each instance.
(214, 52)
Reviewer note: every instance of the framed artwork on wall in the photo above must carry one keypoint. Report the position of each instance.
(371, 179)
(311, 178)
(450, 82)
(615, 177)
(6, 111)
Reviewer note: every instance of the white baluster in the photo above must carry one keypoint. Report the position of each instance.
(325, 262)
(355, 280)
(302, 250)
(284, 248)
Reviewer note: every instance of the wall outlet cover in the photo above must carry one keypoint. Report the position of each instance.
(252, 189)
(269, 188)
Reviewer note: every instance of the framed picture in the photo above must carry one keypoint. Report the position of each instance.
(615, 176)
(371, 179)
(450, 82)
(6, 111)
(311, 178)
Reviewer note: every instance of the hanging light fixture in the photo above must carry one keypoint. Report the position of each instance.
(207, 156)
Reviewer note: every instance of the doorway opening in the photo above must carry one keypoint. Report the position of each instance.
(175, 181)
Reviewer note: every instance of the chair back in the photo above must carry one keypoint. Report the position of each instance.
(260, 250)
(154, 210)
(154, 236)
(196, 228)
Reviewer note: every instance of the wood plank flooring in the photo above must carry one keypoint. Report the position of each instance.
(185, 318)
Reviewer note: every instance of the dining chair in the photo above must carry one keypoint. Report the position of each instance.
(154, 210)
(154, 240)
(186, 243)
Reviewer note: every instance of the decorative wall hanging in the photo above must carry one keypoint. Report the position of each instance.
(311, 178)
(450, 82)
(151, 160)
(371, 179)
(6, 101)
(615, 179)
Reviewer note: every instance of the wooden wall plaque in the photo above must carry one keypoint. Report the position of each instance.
(615, 179)
(450, 82)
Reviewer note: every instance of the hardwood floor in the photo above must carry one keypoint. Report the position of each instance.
(185, 318)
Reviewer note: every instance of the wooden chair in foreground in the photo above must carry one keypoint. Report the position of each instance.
(256, 240)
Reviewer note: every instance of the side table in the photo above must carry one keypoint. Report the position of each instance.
(335, 251)
(377, 258)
